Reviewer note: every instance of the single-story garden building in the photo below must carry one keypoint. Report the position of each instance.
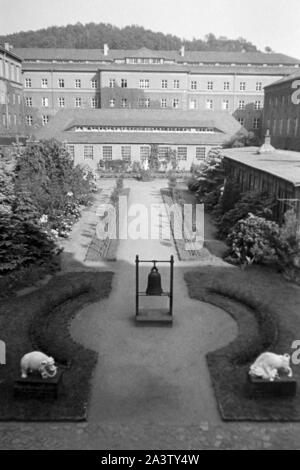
(92, 135)
(275, 171)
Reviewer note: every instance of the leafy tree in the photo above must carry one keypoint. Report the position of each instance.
(242, 138)
(93, 36)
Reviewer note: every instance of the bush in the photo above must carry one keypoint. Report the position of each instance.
(258, 203)
(254, 240)
(288, 250)
(144, 175)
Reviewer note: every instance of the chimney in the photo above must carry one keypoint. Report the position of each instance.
(182, 51)
(105, 49)
(6, 46)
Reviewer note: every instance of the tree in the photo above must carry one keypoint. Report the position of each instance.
(92, 35)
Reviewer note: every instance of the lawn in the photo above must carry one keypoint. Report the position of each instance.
(267, 310)
(40, 321)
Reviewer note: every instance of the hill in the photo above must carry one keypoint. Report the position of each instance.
(93, 36)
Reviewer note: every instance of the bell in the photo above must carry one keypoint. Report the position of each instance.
(154, 282)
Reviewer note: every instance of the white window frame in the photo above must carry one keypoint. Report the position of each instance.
(163, 102)
(71, 151)
(182, 153)
(144, 83)
(61, 102)
(257, 105)
(94, 102)
(45, 119)
(126, 153)
(78, 102)
(77, 83)
(29, 120)
(256, 123)
(45, 102)
(200, 153)
(27, 82)
(175, 103)
(164, 84)
(107, 152)
(144, 152)
(44, 82)
(61, 83)
(225, 104)
(88, 152)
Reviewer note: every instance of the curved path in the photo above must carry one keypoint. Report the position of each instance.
(151, 373)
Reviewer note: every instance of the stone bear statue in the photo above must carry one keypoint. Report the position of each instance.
(267, 365)
(37, 361)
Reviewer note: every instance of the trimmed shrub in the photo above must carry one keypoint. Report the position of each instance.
(254, 240)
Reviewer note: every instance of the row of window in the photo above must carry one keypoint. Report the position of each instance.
(7, 98)
(175, 84)
(256, 124)
(107, 152)
(175, 102)
(60, 83)
(288, 127)
(78, 102)
(29, 120)
(279, 101)
(144, 84)
(142, 129)
(10, 70)
(9, 120)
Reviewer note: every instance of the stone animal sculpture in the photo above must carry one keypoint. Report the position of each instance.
(268, 364)
(37, 361)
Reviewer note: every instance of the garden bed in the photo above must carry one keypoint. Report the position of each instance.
(105, 249)
(180, 243)
(266, 308)
(40, 321)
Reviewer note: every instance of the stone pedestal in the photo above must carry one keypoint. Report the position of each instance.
(34, 386)
(283, 387)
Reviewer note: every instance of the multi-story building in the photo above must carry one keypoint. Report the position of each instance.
(92, 136)
(92, 78)
(11, 101)
(282, 112)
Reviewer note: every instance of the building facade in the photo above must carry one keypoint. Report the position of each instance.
(282, 112)
(11, 99)
(93, 136)
(276, 171)
(186, 80)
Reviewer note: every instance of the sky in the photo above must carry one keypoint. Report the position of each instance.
(273, 23)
